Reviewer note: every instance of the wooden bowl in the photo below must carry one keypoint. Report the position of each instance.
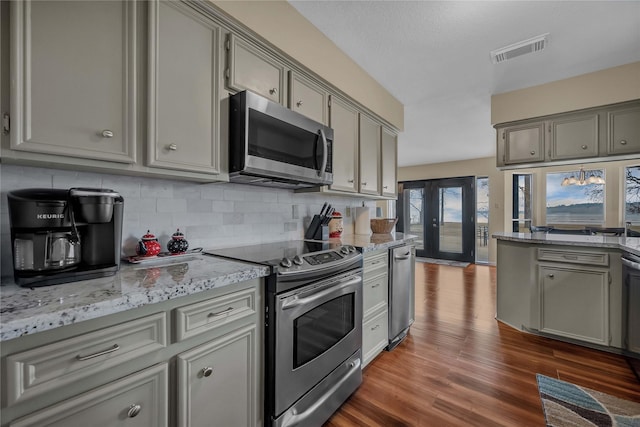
(382, 225)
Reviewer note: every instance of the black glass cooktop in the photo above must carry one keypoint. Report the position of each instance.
(273, 253)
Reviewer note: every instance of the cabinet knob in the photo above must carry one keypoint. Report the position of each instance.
(364, 183)
(107, 133)
(350, 181)
(385, 187)
(273, 91)
(206, 372)
(134, 410)
(533, 153)
(623, 142)
(551, 276)
(584, 147)
(172, 147)
(299, 103)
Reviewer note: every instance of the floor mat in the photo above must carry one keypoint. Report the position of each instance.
(443, 262)
(567, 404)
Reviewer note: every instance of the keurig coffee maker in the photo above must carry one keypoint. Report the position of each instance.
(61, 236)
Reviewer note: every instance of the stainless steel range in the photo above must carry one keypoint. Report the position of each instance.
(313, 320)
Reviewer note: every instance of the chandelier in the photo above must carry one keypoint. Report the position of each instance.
(582, 179)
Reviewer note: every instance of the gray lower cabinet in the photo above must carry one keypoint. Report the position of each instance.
(308, 98)
(574, 136)
(574, 302)
(375, 304)
(623, 125)
(216, 382)
(370, 134)
(183, 107)
(343, 118)
(249, 67)
(139, 400)
(73, 74)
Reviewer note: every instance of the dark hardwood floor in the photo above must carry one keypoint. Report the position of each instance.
(461, 367)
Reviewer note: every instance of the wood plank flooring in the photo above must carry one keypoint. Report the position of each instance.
(461, 367)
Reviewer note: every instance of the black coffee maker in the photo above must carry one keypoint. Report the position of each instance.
(61, 236)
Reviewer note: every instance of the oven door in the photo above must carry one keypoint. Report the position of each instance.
(319, 326)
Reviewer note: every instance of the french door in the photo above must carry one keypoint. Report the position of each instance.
(442, 213)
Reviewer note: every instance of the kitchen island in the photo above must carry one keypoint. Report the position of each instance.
(567, 287)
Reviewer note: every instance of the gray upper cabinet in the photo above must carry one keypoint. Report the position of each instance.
(248, 67)
(370, 134)
(344, 121)
(308, 98)
(388, 163)
(574, 137)
(183, 107)
(73, 78)
(623, 125)
(523, 143)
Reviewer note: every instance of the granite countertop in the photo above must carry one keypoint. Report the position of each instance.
(374, 242)
(27, 311)
(628, 244)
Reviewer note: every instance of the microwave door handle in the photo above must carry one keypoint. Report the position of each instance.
(325, 154)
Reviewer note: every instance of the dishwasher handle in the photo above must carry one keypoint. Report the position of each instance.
(631, 264)
(405, 256)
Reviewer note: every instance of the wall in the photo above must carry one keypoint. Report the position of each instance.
(283, 26)
(475, 167)
(603, 87)
(210, 215)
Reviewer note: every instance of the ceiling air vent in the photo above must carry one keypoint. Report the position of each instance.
(531, 45)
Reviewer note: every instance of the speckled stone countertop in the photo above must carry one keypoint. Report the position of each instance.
(27, 311)
(628, 244)
(374, 242)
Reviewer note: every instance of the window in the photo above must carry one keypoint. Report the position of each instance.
(579, 203)
(482, 219)
(632, 198)
(521, 217)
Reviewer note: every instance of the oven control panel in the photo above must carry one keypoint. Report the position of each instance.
(319, 258)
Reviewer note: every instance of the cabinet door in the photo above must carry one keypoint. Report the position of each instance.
(374, 294)
(251, 68)
(389, 163)
(624, 131)
(574, 303)
(217, 382)
(523, 144)
(370, 134)
(139, 400)
(344, 121)
(73, 78)
(308, 98)
(183, 113)
(574, 137)
(375, 336)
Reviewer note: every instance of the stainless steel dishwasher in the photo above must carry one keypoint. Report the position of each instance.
(631, 310)
(401, 292)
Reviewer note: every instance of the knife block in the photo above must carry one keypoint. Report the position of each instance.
(316, 230)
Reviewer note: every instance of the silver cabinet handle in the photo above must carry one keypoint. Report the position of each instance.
(573, 257)
(134, 410)
(584, 147)
(299, 103)
(375, 286)
(273, 91)
(206, 372)
(172, 147)
(375, 327)
(533, 153)
(350, 181)
(364, 183)
(220, 313)
(623, 142)
(107, 133)
(115, 347)
(551, 276)
(385, 187)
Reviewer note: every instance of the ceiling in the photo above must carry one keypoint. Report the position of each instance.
(434, 57)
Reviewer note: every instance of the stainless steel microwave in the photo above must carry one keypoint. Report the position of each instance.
(273, 146)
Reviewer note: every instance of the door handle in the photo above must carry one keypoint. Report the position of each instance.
(325, 154)
(311, 296)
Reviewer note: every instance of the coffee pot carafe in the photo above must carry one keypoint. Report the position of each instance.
(61, 236)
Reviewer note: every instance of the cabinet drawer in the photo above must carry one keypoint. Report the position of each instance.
(43, 369)
(201, 317)
(375, 265)
(374, 294)
(375, 336)
(139, 400)
(574, 257)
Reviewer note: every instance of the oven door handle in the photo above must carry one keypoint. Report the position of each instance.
(631, 264)
(309, 297)
(325, 153)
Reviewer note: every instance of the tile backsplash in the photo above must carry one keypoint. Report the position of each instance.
(210, 215)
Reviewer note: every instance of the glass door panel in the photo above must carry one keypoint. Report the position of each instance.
(450, 219)
(414, 215)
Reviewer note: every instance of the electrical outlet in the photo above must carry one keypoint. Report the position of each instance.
(347, 211)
